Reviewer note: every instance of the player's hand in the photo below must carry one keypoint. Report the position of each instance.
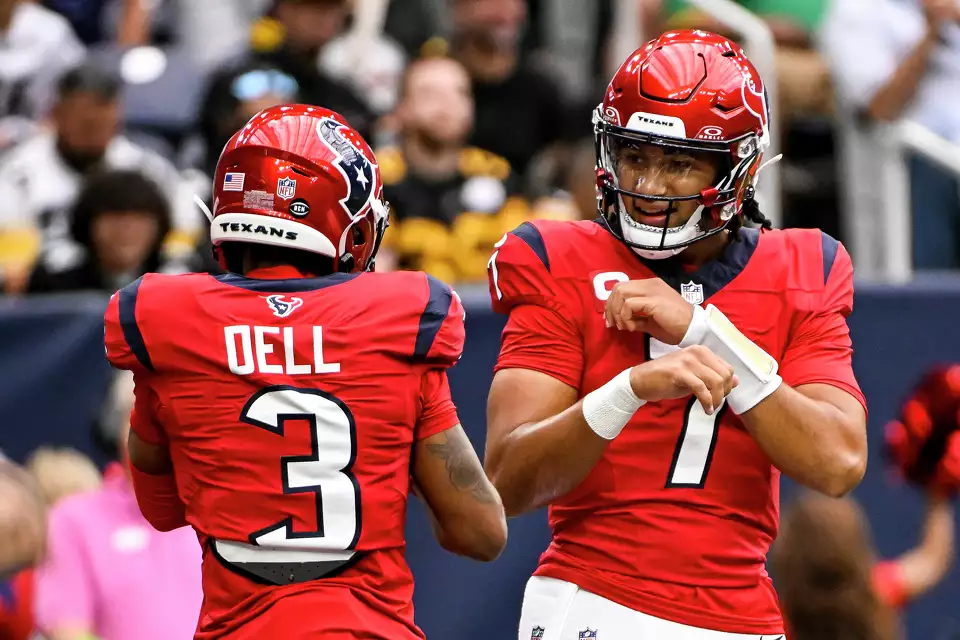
(651, 306)
(694, 370)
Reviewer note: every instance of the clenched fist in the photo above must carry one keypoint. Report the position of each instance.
(693, 370)
(650, 306)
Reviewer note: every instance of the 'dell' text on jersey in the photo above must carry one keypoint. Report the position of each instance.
(249, 349)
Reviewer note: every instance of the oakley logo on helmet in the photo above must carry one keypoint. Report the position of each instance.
(710, 133)
(669, 126)
(357, 169)
(611, 115)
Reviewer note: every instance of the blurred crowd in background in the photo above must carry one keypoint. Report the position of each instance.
(113, 114)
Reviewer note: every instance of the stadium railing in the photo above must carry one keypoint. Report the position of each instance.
(877, 220)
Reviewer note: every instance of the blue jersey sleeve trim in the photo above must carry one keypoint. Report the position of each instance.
(128, 323)
(531, 235)
(830, 248)
(433, 316)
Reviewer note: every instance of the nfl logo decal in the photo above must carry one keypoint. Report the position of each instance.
(537, 633)
(588, 634)
(692, 292)
(286, 188)
(282, 308)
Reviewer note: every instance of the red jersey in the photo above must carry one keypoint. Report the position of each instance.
(291, 406)
(676, 518)
(16, 606)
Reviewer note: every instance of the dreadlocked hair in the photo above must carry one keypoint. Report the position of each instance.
(751, 212)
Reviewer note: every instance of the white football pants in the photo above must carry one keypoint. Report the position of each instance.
(558, 610)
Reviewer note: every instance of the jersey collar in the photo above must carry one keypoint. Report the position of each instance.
(283, 280)
(714, 275)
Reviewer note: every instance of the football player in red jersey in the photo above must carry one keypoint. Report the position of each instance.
(282, 408)
(663, 365)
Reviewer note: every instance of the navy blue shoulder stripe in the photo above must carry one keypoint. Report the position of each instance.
(531, 235)
(128, 323)
(830, 247)
(438, 306)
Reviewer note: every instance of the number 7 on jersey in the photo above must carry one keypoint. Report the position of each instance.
(698, 436)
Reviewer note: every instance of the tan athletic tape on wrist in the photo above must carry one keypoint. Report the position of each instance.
(607, 410)
(756, 369)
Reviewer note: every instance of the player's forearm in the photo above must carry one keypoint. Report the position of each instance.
(541, 461)
(811, 441)
(159, 500)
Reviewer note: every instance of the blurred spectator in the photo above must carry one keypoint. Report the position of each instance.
(520, 111)
(211, 48)
(830, 584)
(823, 564)
(40, 179)
(450, 202)
(372, 66)
(62, 472)
(38, 46)
(236, 97)
(21, 519)
(893, 59)
(120, 220)
(91, 19)
(829, 581)
(290, 39)
(803, 77)
(58, 473)
(109, 574)
(581, 181)
(22, 529)
(412, 23)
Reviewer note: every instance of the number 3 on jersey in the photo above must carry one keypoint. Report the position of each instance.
(698, 435)
(325, 472)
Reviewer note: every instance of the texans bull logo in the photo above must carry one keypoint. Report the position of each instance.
(356, 168)
(283, 308)
(756, 103)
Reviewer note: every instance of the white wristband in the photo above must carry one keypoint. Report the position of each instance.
(756, 369)
(608, 409)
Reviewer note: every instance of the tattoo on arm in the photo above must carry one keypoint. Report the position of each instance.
(464, 469)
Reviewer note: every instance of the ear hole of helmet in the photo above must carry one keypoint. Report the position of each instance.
(357, 236)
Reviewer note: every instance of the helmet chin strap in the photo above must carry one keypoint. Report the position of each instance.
(203, 207)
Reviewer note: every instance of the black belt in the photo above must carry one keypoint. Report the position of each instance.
(281, 573)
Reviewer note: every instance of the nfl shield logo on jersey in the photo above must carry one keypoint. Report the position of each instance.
(286, 188)
(282, 308)
(588, 634)
(692, 292)
(537, 633)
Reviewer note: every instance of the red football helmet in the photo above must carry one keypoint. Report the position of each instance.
(299, 176)
(688, 92)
